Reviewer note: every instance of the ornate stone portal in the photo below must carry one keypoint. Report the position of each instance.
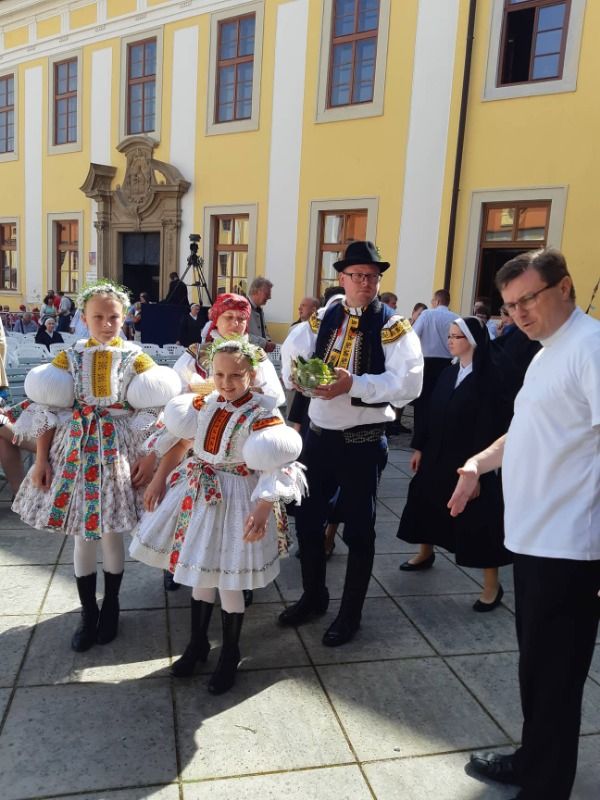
(149, 201)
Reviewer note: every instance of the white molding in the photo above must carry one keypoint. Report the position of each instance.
(285, 156)
(558, 198)
(236, 126)
(356, 110)
(103, 28)
(371, 204)
(568, 82)
(51, 218)
(34, 258)
(70, 147)
(251, 209)
(100, 133)
(156, 33)
(16, 220)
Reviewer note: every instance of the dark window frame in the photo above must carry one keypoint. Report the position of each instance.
(536, 5)
(352, 39)
(334, 247)
(232, 62)
(144, 79)
(5, 112)
(71, 246)
(234, 247)
(68, 95)
(7, 246)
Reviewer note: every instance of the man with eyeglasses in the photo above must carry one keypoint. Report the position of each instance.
(379, 366)
(551, 478)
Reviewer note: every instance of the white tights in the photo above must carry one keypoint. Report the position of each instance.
(86, 554)
(232, 600)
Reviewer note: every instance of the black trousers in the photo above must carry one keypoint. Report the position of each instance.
(557, 613)
(355, 469)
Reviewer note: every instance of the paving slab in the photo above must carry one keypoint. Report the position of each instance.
(441, 777)
(386, 540)
(443, 578)
(289, 581)
(132, 793)
(587, 779)
(86, 737)
(394, 504)
(451, 626)
(406, 708)
(140, 650)
(28, 546)
(272, 720)
(595, 668)
(493, 679)
(142, 587)
(392, 486)
(4, 698)
(22, 589)
(264, 644)
(385, 632)
(384, 514)
(505, 574)
(10, 521)
(329, 783)
(15, 633)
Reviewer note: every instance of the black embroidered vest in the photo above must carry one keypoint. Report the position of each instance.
(369, 357)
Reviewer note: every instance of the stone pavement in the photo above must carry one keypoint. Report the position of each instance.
(390, 716)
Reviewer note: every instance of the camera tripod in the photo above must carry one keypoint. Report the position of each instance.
(195, 263)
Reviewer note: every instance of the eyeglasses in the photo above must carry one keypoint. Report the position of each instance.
(527, 301)
(360, 277)
(455, 336)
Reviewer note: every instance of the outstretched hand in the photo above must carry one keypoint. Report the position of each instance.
(466, 489)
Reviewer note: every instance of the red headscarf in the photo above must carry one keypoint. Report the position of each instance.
(227, 302)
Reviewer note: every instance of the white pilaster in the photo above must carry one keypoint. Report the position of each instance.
(35, 258)
(286, 150)
(426, 150)
(183, 129)
(100, 115)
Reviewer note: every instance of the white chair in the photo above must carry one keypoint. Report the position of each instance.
(173, 349)
(29, 337)
(68, 338)
(151, 349)
(33, 352)
(57, 347)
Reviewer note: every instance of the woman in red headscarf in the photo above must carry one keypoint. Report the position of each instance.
(228, 317)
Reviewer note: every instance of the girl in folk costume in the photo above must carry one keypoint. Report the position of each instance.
(89, 412)
(213, 528)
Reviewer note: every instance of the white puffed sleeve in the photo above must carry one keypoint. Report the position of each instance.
(50, 390)
(160, 441)
(272, 451)
(153, 387)
(181, 416)
(269, 384)
(185, 367)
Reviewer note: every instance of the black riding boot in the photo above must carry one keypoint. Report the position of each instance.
(315, 597)
(347, 622)
(223, 677)
(108, 622)
(85, 635)
(198, 647)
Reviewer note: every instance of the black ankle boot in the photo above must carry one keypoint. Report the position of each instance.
(223, 677)
(85, 635)
(198, 647)
(108, 621)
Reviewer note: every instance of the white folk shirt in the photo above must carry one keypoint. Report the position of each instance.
(399, 385)
(551, 464)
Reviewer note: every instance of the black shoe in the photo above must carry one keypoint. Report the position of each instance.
(305, 609)
(169, 582)
(248, 597)
(340, 631)
(85, 635)
(108, 620)
(427, 563)
(482, 607)
(495, 766)
(199, 646)
(224, 676)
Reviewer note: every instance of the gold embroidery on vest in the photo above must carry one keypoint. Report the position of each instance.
(314, 322)
(346, 348)
(101, 364)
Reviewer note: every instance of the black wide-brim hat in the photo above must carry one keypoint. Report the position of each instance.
(361, 253)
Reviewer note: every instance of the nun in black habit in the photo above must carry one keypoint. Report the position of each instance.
(468, 410)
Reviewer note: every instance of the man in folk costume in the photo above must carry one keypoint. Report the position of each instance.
(378, 363)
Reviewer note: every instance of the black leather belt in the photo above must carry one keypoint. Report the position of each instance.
(359, 434)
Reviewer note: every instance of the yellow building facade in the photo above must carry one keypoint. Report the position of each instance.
(454, 134)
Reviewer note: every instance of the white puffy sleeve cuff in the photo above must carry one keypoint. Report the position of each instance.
(272, 451)
(160, 440)
(50, 390)
(181, 416)
(153, 387)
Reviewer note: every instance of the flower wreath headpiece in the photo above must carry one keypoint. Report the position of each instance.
(234, 344)
(120, 293)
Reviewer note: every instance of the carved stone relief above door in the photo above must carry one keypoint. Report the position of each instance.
(149, 200)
